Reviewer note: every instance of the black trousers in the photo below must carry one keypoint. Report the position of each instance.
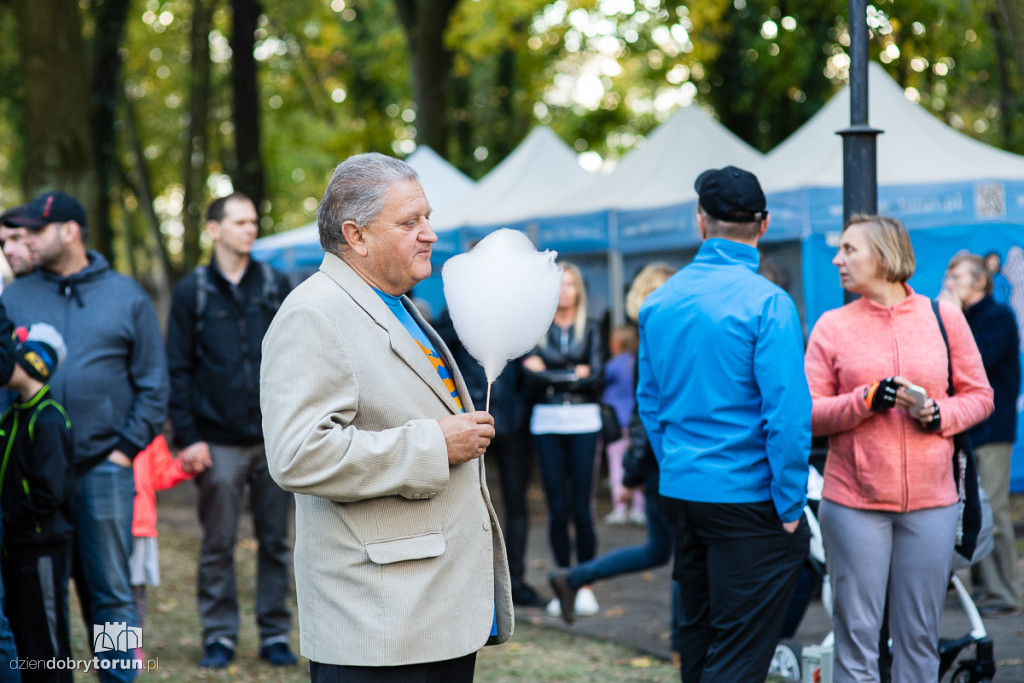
(737, 568)
(458, 670)
(36, 603)
(514, 453)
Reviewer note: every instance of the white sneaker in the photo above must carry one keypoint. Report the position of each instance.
(554, 608)
(616, 517)
(638, 517)
(586, 603)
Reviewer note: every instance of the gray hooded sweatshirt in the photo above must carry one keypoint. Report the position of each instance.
(113, 383)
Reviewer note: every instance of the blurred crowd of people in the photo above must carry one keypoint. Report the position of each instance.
(701, 407)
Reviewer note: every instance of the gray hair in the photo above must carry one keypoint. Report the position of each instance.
(358, 192)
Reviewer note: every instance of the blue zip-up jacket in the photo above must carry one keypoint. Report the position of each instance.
(113, 383)
(995, 331)
(721, 386)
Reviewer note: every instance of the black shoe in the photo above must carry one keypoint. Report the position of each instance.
(999, 611)
(566, 594)
(216, 655)
(524, 596)
(278, 654)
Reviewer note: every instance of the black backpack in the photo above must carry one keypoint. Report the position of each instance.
(269, 296)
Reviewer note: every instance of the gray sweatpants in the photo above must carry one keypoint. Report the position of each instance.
(912, 552)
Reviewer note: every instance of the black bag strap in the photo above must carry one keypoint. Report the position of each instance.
(945, 340)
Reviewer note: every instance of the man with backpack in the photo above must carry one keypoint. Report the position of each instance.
(219, 314)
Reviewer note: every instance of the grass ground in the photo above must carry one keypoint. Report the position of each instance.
(171, 638)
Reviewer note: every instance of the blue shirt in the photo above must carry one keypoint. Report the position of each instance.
(423, 341)
(721, 386)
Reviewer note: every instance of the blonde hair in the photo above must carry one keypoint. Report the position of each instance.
(579, 323)
(889, 240)
(650, 277)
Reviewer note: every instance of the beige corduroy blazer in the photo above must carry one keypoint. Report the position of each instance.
(398, 556)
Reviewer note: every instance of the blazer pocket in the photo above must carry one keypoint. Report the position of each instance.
(417, 547)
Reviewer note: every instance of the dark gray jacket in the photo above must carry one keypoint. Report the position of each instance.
(113, 383)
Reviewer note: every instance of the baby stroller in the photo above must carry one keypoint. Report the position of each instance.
(791, 660)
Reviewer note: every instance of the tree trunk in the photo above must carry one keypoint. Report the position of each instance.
(1013, 13)
(196, 135)
(425, 22)
(248, 176)
(58, 129)
(110, 16)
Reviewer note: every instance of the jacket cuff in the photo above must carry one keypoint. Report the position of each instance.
(128, 448)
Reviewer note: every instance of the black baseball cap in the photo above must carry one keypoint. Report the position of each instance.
(46, 208)
(15, 211)
(731, 194)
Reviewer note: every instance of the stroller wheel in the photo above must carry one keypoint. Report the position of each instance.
(965, 674)
(786, 661)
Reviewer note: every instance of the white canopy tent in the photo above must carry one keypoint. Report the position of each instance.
(443, 184)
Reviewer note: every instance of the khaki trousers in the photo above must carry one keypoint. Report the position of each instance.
(996, 575)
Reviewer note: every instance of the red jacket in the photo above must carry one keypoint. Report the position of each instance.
(886, 460)
(155, 470)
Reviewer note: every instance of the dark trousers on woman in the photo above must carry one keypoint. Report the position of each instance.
(567, 468)
(736, 567)
(513, 453)
(458, 670)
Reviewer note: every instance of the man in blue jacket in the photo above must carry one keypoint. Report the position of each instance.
(114, 388)
(969, 283)
(722, 393)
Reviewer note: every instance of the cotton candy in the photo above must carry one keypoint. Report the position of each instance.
(502, 297)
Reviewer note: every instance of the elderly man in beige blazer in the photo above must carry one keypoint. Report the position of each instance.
(400, 566)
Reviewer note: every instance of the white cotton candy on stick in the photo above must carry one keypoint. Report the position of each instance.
(502, 296)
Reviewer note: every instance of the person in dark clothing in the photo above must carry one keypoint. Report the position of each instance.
(219, 315)
(640, 468)
(114, 388)
(510, 446)
(969, 283)
(565, 374)
(8, 650)
(37, 484)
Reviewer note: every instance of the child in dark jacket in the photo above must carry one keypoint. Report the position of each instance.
(36, 488)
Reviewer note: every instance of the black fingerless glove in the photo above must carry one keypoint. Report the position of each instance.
(936, 421)
(882, 394)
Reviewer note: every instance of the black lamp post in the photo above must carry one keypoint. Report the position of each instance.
(860, 156)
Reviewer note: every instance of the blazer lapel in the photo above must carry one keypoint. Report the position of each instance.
(402, 343)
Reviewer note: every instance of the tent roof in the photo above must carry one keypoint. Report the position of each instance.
(443, 184)
(662, 171)
(915, 148)
(540, 169)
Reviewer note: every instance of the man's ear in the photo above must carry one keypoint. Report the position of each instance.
(213, 227)
(764, 227)
(703, 225)
(355, 237)
(70, 231)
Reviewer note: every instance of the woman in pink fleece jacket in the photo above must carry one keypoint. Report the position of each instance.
(889, 513)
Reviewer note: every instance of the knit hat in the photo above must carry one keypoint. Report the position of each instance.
(41, 350)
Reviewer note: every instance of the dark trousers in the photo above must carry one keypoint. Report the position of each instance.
(513, 453)
(37, 605)
(736, 567)
(458, 670)
(221, 492)
(567, 465)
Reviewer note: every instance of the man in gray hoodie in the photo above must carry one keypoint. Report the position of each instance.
(114, 387)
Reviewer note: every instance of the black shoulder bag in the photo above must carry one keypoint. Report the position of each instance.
(965, 472)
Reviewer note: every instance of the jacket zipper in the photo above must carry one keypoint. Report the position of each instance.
(904, 486)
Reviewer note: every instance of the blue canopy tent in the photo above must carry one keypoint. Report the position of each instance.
(951, 191)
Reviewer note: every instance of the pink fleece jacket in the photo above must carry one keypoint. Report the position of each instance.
(886, 460)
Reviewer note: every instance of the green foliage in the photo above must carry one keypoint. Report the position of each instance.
(335, 79)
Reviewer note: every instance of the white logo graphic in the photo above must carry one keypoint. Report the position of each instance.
(117, 636)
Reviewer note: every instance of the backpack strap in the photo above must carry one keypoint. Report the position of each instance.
(202, 297)
(271, 291)
(945, 340)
